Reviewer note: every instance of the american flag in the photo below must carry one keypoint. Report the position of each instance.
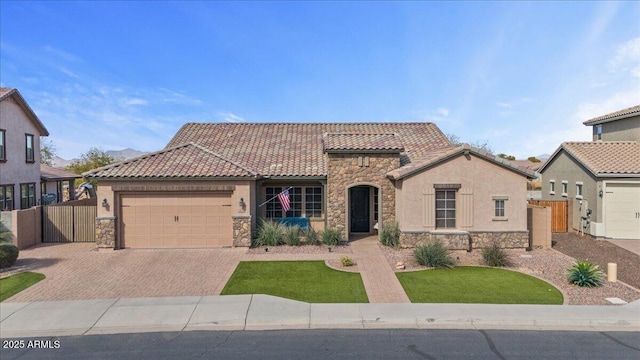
(283, 197)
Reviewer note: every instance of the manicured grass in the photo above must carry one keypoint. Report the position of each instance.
(469, 284)
(13, 284)
(308, 281)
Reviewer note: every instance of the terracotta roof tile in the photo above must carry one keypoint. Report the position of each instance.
(624, 113)
(606, 157)
(339, 142)
(296, 149)
(184, 161)
(444, 154)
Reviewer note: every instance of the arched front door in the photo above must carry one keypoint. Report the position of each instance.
(360, 209)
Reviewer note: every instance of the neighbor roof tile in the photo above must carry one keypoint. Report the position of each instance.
(614, 115)
(606, 157)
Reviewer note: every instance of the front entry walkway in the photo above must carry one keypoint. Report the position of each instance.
(379, 280)
(631, 245)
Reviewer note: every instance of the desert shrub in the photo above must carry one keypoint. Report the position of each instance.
(346, 261)
(311, 236)
(433, 254)
(585, 274)
(292, 236)
(331, 236)
(5, 234)
(390, 235)
(270, 233)
(8, 255)
(496, 256)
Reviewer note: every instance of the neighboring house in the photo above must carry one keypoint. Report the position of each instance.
(58, 185)
(623, 125)
(602, 177)
(20, 132)
(212, 184)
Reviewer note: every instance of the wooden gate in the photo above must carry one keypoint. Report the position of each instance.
(559, 213)
(68, 224)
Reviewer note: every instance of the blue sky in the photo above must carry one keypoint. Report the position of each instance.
(522, 76)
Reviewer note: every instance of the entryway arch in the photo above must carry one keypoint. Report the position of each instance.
(363, 207)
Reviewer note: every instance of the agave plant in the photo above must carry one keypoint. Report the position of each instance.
(585, 274)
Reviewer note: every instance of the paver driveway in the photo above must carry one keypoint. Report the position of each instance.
(77, 271)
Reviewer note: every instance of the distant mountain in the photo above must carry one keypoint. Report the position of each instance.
(118, 155)
(543, 156)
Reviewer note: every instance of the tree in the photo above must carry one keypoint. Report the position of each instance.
(505, 156)
(533, 159)
(456, 141)
(47, 151)
(92, 159)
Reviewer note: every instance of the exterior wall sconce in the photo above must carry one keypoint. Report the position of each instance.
(242, 203)
(104, 203)
(600, 193)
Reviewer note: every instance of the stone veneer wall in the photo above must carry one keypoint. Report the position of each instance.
(460, 240)
(343, 170)
(242, 231)
(106, 232)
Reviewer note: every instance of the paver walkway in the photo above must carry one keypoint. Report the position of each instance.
(379, 280)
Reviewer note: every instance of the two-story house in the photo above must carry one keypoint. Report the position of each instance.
(20, 131)
(602, 176)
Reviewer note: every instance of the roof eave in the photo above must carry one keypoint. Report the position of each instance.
(365, 151)
(602, 121)
(617, 175)
(174, 178)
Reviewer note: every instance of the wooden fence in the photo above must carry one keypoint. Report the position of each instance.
(68, 224)
(559, 213)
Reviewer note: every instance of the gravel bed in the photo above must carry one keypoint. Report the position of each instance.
(303, 249)
(549, 265)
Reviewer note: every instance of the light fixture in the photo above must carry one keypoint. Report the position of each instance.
(242, 203)
(600, 193)
(105, 203)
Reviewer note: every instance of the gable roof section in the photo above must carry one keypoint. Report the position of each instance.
(442, 155)
(297, 149)
(49, 173)
(618, 115)
(343, 142)
(7, 93)
(184, 161)
(603, 158)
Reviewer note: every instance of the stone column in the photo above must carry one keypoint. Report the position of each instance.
(242, 230)
(106, 233)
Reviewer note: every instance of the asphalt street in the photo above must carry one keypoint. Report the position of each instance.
(332, 344)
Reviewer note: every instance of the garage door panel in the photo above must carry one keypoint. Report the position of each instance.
(177, 220)
(622, 206)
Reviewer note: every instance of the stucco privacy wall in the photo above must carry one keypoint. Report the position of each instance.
(343, 171)
(16, 170)
(480, 182)
(25, 226)
(110, 190)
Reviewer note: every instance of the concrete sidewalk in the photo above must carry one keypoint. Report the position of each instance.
(263, 312)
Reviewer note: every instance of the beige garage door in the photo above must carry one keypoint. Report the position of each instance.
(622, 211)
(176, 220)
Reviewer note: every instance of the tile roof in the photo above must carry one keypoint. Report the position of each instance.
(605, 157)
(441, 155)
(341, 142)
(52, 173)
(620, 114)
(528, 164)
(6, 93)
(296, 149)
(183, 161)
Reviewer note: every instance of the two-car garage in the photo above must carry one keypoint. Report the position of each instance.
(176, 220)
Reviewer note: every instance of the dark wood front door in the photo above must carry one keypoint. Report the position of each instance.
(359, 209)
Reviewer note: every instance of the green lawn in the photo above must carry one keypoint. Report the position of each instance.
(13, 284)
(308, 281)
(481, 285)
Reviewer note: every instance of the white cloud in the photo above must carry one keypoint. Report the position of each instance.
(171, 96)
(135, 101)
(627, 58)
(505, 105)
(230, 117)
(50, 50)
(443, 111)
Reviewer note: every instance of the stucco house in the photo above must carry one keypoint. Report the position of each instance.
(602, 176)
(20, 132)
(58, 185)
(213, 182)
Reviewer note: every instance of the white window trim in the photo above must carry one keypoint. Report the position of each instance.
(552, 192)
(579, 185)
(565, 185)
(500, 197)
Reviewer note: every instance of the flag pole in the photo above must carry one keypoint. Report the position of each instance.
(264, 203)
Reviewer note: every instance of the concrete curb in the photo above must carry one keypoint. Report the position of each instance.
(264, 312)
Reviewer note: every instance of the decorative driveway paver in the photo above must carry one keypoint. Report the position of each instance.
(76, 271)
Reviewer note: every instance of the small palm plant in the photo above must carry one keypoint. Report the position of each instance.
(585, 274)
